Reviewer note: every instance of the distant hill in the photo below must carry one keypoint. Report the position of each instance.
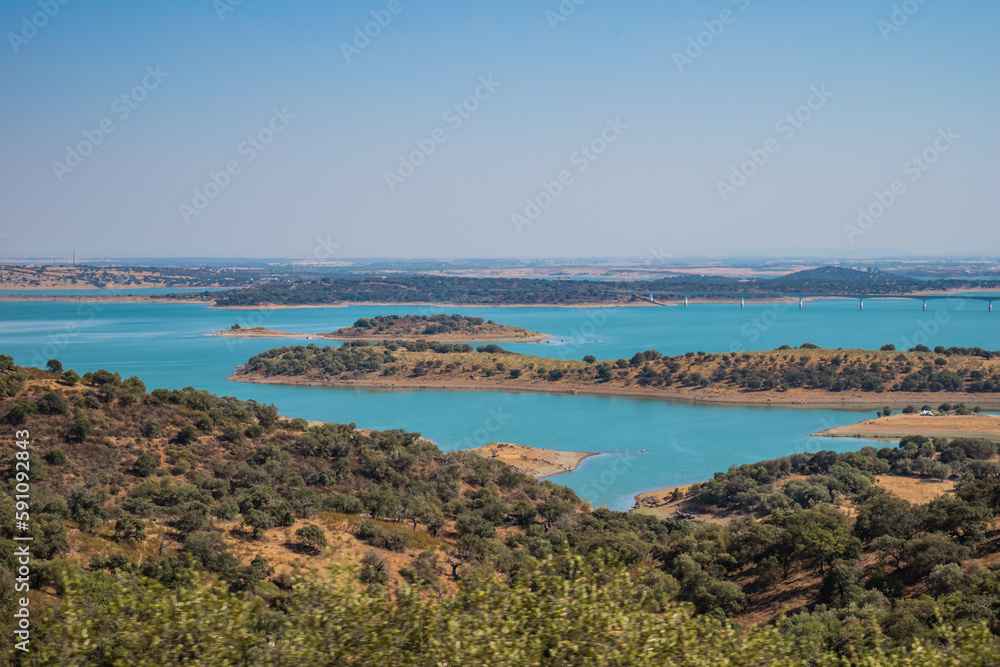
(841, 280)
(419, 289)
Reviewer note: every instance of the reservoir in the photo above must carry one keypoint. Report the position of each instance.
(165, 345)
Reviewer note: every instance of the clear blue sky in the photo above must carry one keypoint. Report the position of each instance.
(664, 180)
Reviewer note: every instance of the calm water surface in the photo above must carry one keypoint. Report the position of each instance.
(165, 346)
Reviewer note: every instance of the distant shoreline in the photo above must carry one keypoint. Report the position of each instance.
(671, 302)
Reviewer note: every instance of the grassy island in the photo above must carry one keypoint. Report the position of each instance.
(806, 375)
(437, 328)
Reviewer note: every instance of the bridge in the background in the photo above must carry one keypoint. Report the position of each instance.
(655, 295)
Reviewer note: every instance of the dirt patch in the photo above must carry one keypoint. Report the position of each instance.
(915, 489)
(530, 460)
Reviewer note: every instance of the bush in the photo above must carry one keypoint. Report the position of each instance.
(130, 529)
(53, 403)
(186, 435)
(80, 429)
(55, 457)
(374, 568)
(423, 569)
(945, 579)
(145, 465)
(20, 412)
(70, 378)
(150, 428)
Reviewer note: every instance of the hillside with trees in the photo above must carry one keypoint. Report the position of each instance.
(536, 291)
(148, 504)
(432, 327)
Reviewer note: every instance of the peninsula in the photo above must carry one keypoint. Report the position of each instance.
(804, 376)
(532, 461)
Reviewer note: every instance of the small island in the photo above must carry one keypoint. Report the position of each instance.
(532, 461)
(437, 328)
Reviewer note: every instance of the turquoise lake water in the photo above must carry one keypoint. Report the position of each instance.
(165, 346)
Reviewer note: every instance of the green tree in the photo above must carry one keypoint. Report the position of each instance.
(54, 365)
(145, 465)
(150, 428)
(925, 552)
(946, 579)
(52, 403)
(80, 429)
(312, 537)
(374, 568)
(130, 529)
(248, 577)
(186, 435)
(881, 513)
(841, 576)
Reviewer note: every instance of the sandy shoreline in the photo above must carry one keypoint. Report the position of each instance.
(791, 399)
(533, 461)
(438, 338)
(898, 426)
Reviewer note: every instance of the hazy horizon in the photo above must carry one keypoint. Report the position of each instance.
(227, 129)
